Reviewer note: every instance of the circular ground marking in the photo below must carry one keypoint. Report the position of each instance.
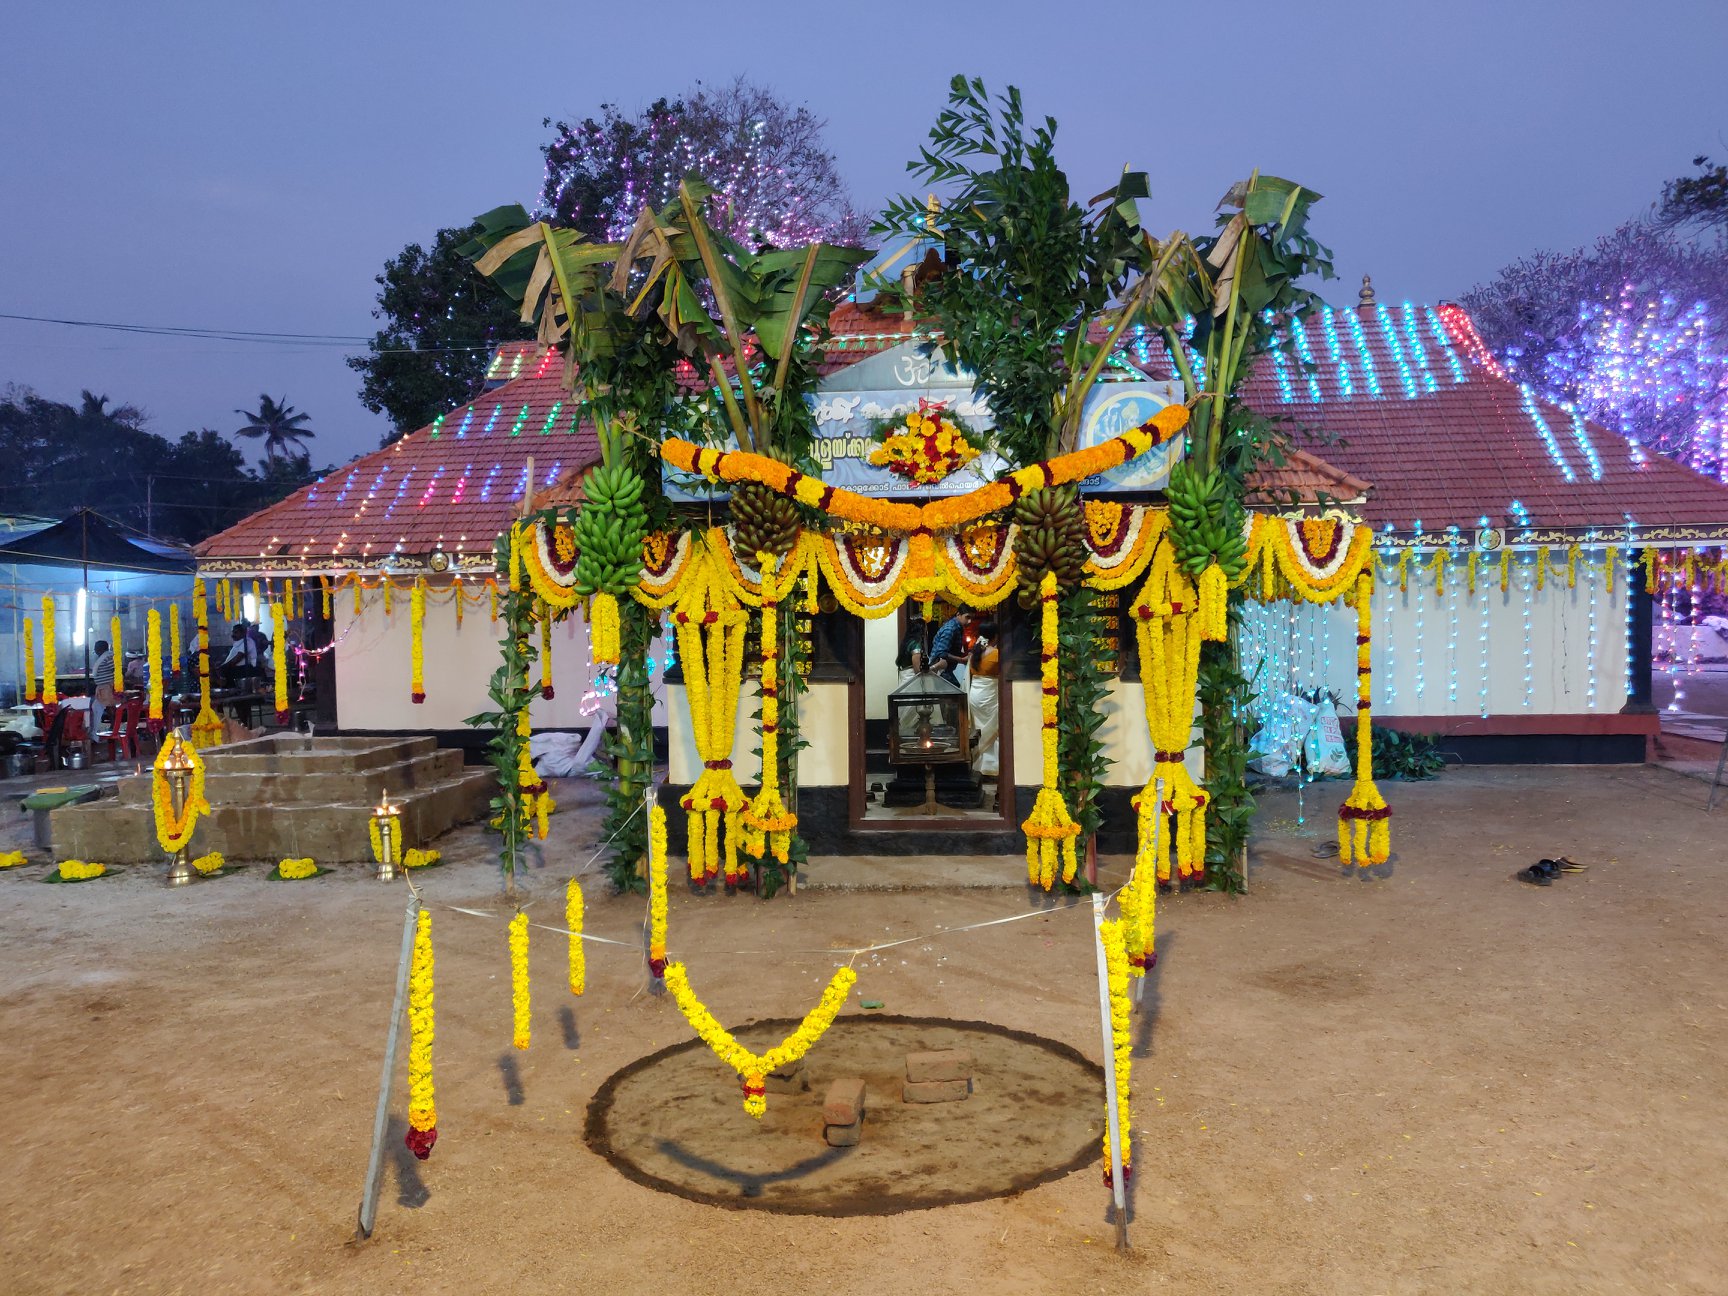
(675, 1121)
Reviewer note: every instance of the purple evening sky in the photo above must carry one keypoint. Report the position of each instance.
(250, 166)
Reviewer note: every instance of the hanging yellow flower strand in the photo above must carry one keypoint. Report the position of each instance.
(174, 646)
(1050, 829)
(206, 727)
(519, 980)
(422, 1104)
(573, 921)
(50, 653)
(417, 642)
(29, 660)
(713, 678)
(1116, 971)
(1169, 644)
(1364, 834)
(546, 690)
(118, 657)
(279, 659)
(153, 652)
(768, 824)
(657, 892)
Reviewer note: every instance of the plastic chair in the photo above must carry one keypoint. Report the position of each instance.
(122, 735)
(68, 730)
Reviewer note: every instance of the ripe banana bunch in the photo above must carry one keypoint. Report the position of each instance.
(1205, 522)
(1051, 536)
(609, 531)
(763, 521)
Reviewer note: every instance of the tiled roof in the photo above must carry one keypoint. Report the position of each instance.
(450, 486)
(1408, 398)
(1307, 477)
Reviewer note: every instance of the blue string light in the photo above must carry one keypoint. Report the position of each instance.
(1281, 373)
(496, 410)
(1546, 433)
(1299, 334)
(467, 418)
(1359, 336)
(1335, 353)
(397, 497)
(1581, 435)
(1406, 378)
(1413, 341)
(1528, 584)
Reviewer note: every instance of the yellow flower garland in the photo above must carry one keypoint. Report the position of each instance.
(1116, 970)
(1572, 566)
(604, 636)
(50, 653)
(422, 1104)
(153, 647)
(79, 871)
(573, 920)
(119, 657)
(1138, 902)
(207, 726)
(416, 858)
(1470, 572)
(29, 660)
(279, 657)
(174, 832)
(1541, 566)
(213, 862)
(295, 869)
(1439, 561)
(753, 1068)
(1364, 831)
(11, 859)
(1610, 561)
(1168, 638)
(519, 980)
(417, 642)
(657, 891)
(768, 824)
(375, 831)
(1050, 829)
(546, 690)
(1505, 570)
(713, 679)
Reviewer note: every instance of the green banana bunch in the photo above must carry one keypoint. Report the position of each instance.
(609, 531)
(763, 521)
(1051, 536)
(1206, 522)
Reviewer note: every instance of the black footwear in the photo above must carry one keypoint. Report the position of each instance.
(1541, 873)
(1570, 865)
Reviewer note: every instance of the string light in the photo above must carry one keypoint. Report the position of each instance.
(1630, 559)
(1406, 378)
(1462, 329)
(1452, 538)
(1582, 437)
(1528, 573)
(1590, 642)
(1546, 432)
(1335, 353)
(1390, 674)
(1299, 334)
(1359, 336)
(1443, 339)
(1483, 585)
(1416, 598)
(1413, 342)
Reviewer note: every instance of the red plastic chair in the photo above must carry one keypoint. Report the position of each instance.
(122, 735)
(71, 722)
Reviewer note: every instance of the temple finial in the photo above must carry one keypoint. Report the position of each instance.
(1365, 298)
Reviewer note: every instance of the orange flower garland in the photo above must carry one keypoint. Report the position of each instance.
(927, 449)
(422, 1105)
(1364, 830)
(1169, 643)
(937, 515)
(768, 824)
(1050, 829)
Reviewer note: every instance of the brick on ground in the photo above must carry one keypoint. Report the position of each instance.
(934, 1091)
(939, 1064)
(844, 1104)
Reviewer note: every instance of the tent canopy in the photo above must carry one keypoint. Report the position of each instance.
(89, 538)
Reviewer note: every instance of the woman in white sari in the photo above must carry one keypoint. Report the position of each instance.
(984, 699)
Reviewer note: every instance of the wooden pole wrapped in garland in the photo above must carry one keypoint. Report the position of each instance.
(753, 1068)
(1049, 828)
(153, 655)
(573, 921)
(29, 660)
(519, 980)
(710, 627)
(279, 660)
(417, 641)
(1364, 828)
(206, 726)
(1117, 967)
(767, 822)
(422, 1107)
(657, 892)
(119, 657)
(1169, 635)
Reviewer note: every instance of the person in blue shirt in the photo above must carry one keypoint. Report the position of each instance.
(949, 647)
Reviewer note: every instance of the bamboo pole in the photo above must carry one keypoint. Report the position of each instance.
(381, 1117)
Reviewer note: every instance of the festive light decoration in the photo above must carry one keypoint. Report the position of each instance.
(1050, 828)
(417, 643)
(753, 1068)
(1116, 969)
(1364, 832)
(519, 980)
(422, 1103)
(1169, 644)
(174, 830)
(710, 628)
(573, 922)
(279, 659)
(153, 656)
(657, 892)
(768, 824)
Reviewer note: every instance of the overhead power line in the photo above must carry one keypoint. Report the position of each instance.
(347, 341)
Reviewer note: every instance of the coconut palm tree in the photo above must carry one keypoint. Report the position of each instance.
(276, 423)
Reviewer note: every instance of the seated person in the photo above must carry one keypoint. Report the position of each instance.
(248, 658)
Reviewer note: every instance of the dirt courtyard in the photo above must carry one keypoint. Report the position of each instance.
(1439, 1080)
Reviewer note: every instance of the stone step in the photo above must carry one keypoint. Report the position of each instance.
(117, 832)
(292, 754)
(426, 769)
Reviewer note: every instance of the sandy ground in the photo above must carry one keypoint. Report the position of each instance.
(1436, 1081)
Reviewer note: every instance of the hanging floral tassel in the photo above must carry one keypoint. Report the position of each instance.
(1050, 829)
(657, 892)
(1138, 902)
(153, 651)
(519, 980)
(1116, 972)
(288, 599)
(50, 653)
(461, 602)
(422, 1107)
(359, 594)
(1364, 833)
(492, 591)
(29, 660)
(207, 726)
(1169, 644)
(536, 798)
(389, 595)
(325, 593)
(710, 627)
(1215, 603)
(417, 643)
(545, 652)
(767, 822)
(279, 658)
(119, 680)
(573, 920)
(603, 632)
(174, 645)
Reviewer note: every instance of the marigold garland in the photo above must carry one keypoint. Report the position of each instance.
(1572, 566)
(415, 858)
(1050, 829)
(295, 869)
(417, 642)
(1168, 639)
(1138, 902)
(206, 726)
(768, 824)
(1505, 570)
(29, 660)
(212, 862)
(604, 635)
(937, 515)
(79, 871)
(279, 659)
(927, 448)
(753, 1068)
(422, 1104)
(375, 831)
(1541, 566)
(546, 690)
(657, 892)
(153, 652)
(519, 980)
(1364, 831)
(1610, 560)
(11, 859)
(1470, 573)
(710, 629)
(573, 922)
(174, 645)
(50, 653)
(174, 831)
(1116, 971)
(118, 657)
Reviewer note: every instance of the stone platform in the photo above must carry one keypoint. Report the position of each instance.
(287, 797)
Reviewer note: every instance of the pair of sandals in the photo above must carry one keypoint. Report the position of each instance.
(1543, 872)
